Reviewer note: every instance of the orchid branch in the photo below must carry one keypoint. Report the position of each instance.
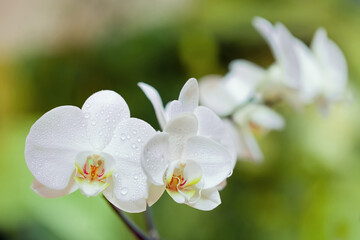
(130, 224)
(151, 224)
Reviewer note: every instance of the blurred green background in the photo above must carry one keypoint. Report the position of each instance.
(56, 53)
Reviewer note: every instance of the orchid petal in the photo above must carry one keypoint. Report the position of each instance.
(46, 192)
(214, 95)
(177, 196)
(128, 187)
(155, 192)
(189, 95)
(173, 109)
(53, 143)
(156, 157)
(212, 126)
(129, 138)
(333, 62)
(213, 159)
(210, 199)
(180, 129)
(103, 111)
(155, 99)
(248, 147)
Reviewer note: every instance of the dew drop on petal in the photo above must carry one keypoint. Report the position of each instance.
(124, 191)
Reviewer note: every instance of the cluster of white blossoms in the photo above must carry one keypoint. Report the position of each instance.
(101, 149)
(300, 76)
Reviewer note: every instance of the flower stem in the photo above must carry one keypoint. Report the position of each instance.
(151, 224)
(130, 224)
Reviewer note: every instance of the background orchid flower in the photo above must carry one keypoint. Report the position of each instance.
(210, 125)
(188, 166)
(253, 118)
(95, 149)
(224, 94)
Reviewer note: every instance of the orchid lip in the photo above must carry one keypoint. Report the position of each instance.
(92, 172)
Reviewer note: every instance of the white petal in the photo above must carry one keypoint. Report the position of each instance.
(260, 115)
(248, 147)
(103, 111)
(180, 129)
(178, 197)
(214, 95)
(213, 159)
(288, 57)
(333, 62)
(130, 136)
(128, 189)
(242, 80)
(173, 109)
(268, 118)
(311, 79)
(46, 192)
(189, 95)
(281, 43)
(154, 97)
(210, 125)
(155, 192)
(53, 143)
(156, 157)
(210, 199)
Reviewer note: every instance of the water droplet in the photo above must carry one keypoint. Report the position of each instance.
(87, 105)
(139, 139)
(134, 132)
(136, 177)
(122, 136)
(124, 191)
(86, 115)
(128, 136)
(133, 146)
(93, 123)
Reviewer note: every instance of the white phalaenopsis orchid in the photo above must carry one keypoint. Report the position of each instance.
(190, 167)
(324, 71)
(253, 118)
(210, 125)
(95, 149)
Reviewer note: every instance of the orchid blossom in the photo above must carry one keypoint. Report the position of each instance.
(95, 149)
(190, 167)
(210, 125)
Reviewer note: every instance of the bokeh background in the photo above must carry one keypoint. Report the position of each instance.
(59, 52)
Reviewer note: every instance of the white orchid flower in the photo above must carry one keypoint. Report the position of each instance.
(253, 118)
(224, 94)
(95, 149)
(190, 167)
(286, 68)
(333, 69)
(210, 125)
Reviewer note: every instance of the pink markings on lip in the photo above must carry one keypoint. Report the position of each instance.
(183, 183)
(84, 170)
(102, 173)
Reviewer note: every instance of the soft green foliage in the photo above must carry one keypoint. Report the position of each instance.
(308, 186)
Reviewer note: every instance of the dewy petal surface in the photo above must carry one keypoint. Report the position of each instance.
(214, 160)
(189, 95)
(156, 158)
(155, 99)
(212, 126)
(129, 187)
(103, 111)
(53, 143)
(180, 129)
(46, 192)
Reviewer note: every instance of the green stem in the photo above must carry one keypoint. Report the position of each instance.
(151, 224)
(130, 224)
